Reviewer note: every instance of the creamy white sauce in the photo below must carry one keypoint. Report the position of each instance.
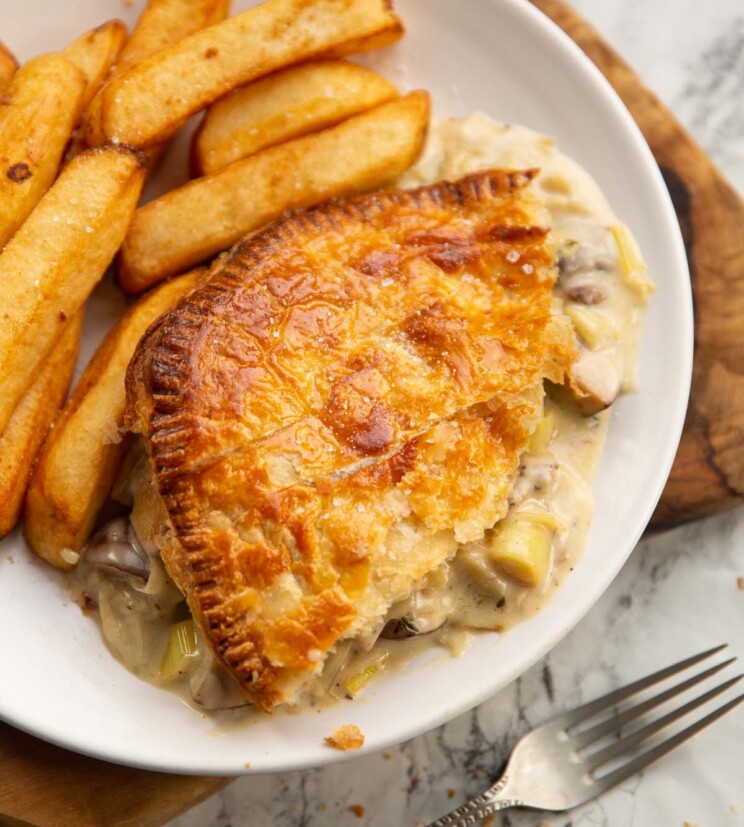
(469, 593)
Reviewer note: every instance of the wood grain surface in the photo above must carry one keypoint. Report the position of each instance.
(45, 786)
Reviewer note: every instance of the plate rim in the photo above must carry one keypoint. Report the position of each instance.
(122, 755)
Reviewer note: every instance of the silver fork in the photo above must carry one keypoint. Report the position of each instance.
(551, 768)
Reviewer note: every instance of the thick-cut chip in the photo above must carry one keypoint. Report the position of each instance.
(206, 216)
(38, 112)
(344, 400)
(165, 22)
(367, 43)
(161, 24)
(152, 100)
(8, 65)
(285, 105)
(50, 266)
(95, 52)
(22, 438)
(81, 456)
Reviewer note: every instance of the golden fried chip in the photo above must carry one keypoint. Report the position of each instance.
(81, 456)
(152, 100)
(38, 111)
(283, 106)
(192, 223)
(161, 24)
(27, 429)
(8, 65)
(50, 266)
(165, 22)
(95, 52)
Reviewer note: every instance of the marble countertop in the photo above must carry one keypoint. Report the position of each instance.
(677, 594)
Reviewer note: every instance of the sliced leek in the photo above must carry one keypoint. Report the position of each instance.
(182, 651)
(540, 516)
(365, 672)
(632, 265)
(521, 546)
(333, 666)
(543, 434)
(594, 328)
(479, 567)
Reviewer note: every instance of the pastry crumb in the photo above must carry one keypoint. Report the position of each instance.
(450, 793)
(740, 583)
(387, 756)
(358, 810)
(489, 821)
(10, 559)
(247, 765)
(346, 737)
(735, 808)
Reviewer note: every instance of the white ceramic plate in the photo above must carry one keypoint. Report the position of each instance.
(501, 56)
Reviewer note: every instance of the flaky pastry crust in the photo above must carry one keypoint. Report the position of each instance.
(341, 403)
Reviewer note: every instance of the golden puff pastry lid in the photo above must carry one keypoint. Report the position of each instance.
(341, 403)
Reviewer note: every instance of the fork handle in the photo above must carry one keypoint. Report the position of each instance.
(479, 807)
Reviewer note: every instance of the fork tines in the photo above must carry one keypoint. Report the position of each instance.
(613, 726)
(585, 752)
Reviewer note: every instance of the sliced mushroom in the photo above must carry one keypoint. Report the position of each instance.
(586, 291)
(425, 610)
(212, 686)
(399, 628)
(582, 258)
(594, 382)
(115, 550)
(569, 259)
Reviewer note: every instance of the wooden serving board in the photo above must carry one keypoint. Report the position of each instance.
(46, 786)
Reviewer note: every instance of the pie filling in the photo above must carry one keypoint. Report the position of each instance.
(487, 584)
